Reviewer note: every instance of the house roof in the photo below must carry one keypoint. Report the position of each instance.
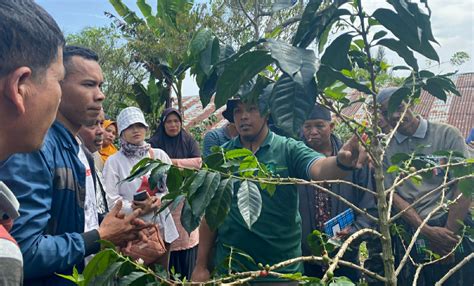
(456, 111)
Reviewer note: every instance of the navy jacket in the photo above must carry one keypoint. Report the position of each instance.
(50, 186)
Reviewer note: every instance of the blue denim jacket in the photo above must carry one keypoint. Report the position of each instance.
(50, 186)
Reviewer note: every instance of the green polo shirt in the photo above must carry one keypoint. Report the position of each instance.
(276, 235)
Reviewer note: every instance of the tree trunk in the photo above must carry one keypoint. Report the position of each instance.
(179, 96)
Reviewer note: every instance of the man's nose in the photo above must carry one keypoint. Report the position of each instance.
(100, 130)
(100, 96)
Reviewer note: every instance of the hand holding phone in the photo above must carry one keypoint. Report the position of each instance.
(140, 196)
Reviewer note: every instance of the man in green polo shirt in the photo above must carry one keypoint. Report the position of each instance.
(276, 235)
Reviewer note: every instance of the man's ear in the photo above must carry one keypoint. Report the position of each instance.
(18, 84)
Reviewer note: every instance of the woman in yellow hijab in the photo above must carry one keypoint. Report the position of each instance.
(110, 133)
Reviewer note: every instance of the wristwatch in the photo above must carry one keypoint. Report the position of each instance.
(342, 166)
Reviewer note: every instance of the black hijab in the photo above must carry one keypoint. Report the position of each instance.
(180, 146)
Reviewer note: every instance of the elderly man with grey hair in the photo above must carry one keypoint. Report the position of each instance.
(440, 234)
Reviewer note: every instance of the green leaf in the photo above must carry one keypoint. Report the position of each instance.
(466, 187)
(207, 89)
(214, 161)
(393, 169)
(238, 153)
(323, 39)
(144, 170)
(146, 11)
(220, 204)
(239, 72)
(107, 277)
(341, 281)
(158, 174)
(378, 35)
(174, 180)
(335, 55)
(210, 55)
(408, 34)
(128, 15)
(327, 76)
(306, 22)
(130, 278)
(99, 263)
(240, 252)
(203, 195)
(314, 21)
(399, 157)
(291, 103)
(293, 60)
(433, 88)
(68, 277)
(397, 98)
(199, 42)
(196, 181)
(401, 50)
(249, 202)
(188, 220)
(313, 281)
(248, 166)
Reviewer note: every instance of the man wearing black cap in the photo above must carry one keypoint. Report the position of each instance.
(276, 235)
(416, 134)
(317, 207)
(219, 136)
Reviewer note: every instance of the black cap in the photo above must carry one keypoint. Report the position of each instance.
(319, 112)
(228, 113)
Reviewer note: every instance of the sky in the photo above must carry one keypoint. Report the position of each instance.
(452, 24)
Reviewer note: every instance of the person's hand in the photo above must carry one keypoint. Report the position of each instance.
(118, 228)
(352, 154)
(342, 234)
(151, 203)
(200, 274)
(442, 240)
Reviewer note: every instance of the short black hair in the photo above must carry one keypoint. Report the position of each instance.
(71, 51)
(29, 36)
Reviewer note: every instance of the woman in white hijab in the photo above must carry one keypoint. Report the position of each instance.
(133, 148)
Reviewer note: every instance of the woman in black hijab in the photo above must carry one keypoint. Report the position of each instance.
(184, 152)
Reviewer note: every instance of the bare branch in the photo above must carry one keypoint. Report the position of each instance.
(255, 25)
(417, 274)
(396, 184)
(290, 21)
(454, 269)
(425, 221)
(400, 213)
(342, 250)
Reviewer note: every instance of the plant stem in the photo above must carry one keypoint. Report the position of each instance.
(384, 226)
(454, 269)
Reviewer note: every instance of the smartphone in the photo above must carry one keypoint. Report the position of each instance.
(339, 222)
(141, 196)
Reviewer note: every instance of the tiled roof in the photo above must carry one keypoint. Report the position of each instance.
(457, 111)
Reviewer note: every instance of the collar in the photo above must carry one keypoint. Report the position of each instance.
(267, 142)
(419, 133)
(68, 140)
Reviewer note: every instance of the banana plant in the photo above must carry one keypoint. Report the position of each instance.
(160, 39)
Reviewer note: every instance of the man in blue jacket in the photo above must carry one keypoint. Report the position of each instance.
(29, 99)
(58, 225)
